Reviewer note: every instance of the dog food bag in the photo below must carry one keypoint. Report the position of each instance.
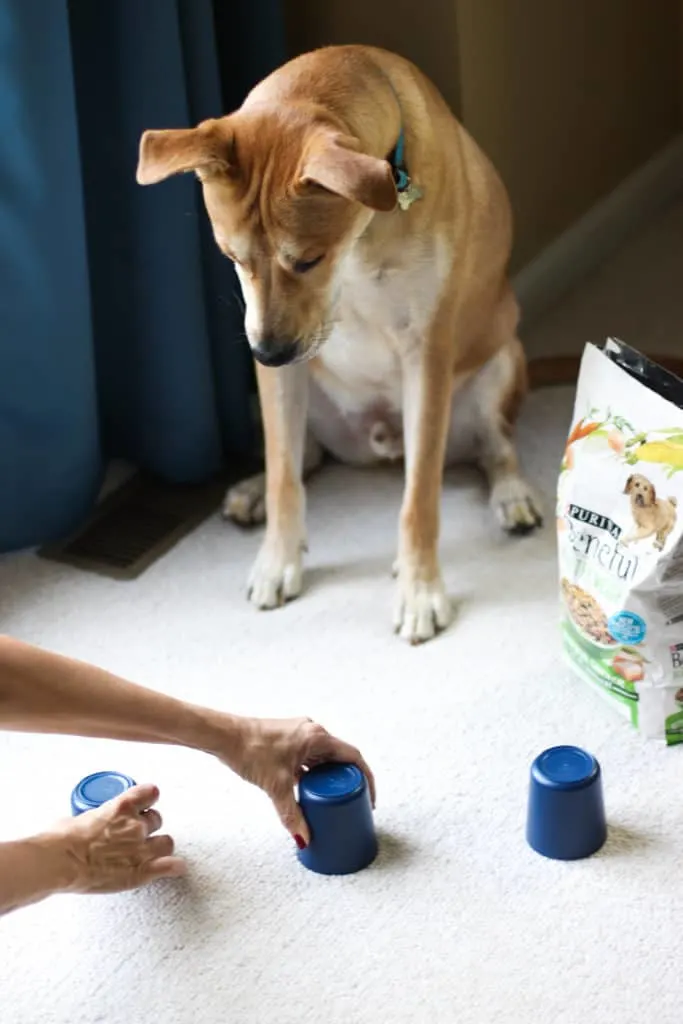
(620, 537)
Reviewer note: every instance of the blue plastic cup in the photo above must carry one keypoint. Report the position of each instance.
(335, 800)
(95, 790)
(566, 813)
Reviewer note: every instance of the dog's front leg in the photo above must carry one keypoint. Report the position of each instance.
(276, 575)
(422, 606)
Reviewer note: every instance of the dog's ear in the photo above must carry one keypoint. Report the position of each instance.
(207, 148)
(335, 162)
(629, 484)
(654, 492)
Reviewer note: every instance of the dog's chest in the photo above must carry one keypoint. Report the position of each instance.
(383, 312)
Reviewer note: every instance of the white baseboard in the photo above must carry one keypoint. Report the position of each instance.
(589, 242)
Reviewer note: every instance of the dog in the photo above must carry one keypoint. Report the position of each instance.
(371, 237)
(652, 516)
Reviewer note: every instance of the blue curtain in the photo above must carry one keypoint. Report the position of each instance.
(120, 331)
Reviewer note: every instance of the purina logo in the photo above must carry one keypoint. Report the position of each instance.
(584, 515)
(597, 538)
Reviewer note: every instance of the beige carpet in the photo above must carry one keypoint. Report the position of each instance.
(458, 921)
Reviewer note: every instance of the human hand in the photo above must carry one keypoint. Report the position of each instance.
(113, 848)
(274, 754)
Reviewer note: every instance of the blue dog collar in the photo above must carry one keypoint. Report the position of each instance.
(407, 191)
(397, 161)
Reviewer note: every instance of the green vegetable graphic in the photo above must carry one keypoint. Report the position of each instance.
(664, 452)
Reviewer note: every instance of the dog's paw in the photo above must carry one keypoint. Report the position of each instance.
(277, 575)
(421, 610)
(245, 503)
(515, 505)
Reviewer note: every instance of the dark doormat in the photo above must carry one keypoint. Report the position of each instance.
(139, 522)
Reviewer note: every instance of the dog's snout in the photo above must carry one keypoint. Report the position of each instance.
(275, 352)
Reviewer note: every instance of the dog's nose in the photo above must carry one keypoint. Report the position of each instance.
(274, 352)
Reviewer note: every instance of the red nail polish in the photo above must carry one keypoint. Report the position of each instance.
(300, 842)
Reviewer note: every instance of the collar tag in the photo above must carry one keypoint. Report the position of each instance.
(409, 195)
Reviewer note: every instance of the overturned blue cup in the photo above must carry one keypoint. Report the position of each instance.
(95, 790)
(335, 800)
(566, 812)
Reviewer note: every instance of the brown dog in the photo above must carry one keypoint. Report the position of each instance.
(652, 516)
(371, 237)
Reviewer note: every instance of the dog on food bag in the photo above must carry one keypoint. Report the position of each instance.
(653, 516)
(371, 237)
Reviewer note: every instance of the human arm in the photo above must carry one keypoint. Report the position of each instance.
(45, 692)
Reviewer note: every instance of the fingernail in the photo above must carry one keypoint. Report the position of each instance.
(300, 842)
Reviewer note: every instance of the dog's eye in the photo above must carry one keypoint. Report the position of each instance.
(303, 266)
